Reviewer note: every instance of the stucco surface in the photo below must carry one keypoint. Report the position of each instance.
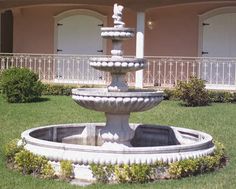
(175, 29)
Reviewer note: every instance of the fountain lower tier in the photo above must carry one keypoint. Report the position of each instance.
(82, 144)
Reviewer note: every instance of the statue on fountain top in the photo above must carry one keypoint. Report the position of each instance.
(117, 16)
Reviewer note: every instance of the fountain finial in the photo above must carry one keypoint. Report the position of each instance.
(117, 16)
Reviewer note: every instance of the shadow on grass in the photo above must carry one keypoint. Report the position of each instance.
(184, 104)
(41, 99)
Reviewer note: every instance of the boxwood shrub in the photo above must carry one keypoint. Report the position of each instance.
(19, 85)
(193, 92)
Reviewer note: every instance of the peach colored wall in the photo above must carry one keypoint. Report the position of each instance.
(175, 32)
(34, 27)
(176, 29)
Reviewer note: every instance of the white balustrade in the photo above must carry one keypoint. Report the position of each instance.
(220, 73)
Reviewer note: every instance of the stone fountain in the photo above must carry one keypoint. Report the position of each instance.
(116, 141)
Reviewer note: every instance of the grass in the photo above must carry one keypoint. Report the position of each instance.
(219, 120)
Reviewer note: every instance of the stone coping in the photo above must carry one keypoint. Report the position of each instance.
(85, 154)
(123, 29)
(103, 92)
(121, 59)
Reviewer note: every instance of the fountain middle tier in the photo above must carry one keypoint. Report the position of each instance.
(117, 102)
(118, 65)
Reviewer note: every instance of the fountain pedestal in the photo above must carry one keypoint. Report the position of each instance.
(117, 131)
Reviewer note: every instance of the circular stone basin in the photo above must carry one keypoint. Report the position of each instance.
(117, 33)
(117, 102)
(118, 65)
(80, 143)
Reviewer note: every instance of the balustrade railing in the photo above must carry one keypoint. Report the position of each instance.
(220, 73)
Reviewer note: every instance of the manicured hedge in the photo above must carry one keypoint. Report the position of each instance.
(20, 85)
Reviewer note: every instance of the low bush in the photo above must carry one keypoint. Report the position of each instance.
(11, 149)
(66, 170)
(134, 173)
(59, 89)
(102, 173)
(29, 163)
(222, 96)
(192, 93)
(142, 173)
(20, 85)
(214, 96)
(169, 94)
(65, 90)
(26, 162)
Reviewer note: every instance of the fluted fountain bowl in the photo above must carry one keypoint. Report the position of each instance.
(117, 33)
(118, 65)
(117, 102)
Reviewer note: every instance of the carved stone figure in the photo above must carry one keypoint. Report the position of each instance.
(117, 16)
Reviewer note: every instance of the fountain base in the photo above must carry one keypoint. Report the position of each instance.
(82, 144)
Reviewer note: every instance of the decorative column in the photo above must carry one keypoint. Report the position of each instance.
(140, 46)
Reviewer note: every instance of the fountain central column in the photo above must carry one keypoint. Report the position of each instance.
(117, 132)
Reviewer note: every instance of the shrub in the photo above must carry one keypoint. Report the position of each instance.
(135, 173)
(169, 94)
(200, 165)
(20, 85)
(29, 163)
(47, 171)
(192, 93)
(11, 149)
(221, 96)
(66, 169)
(142, 173)
(102, 173)
(49, 89)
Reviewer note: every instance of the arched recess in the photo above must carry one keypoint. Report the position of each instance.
(79, 29)
(6, 31)
(224, 17)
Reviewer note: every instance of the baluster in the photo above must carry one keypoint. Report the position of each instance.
(78, 69)
(165, 62)
(148, 73)
(217, 72)
(234, 73)
(73, 70)
(211, 72)
(159, 72)
(199, 68)
(63, 68)
(170, 77)
(153, 72)
(229, 65)
(187, 76)
(181, 72)
(176, 72)
(223, 75)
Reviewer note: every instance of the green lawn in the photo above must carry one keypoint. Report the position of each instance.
(219, 120)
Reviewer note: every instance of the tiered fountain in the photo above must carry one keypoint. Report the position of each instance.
(116, 141)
